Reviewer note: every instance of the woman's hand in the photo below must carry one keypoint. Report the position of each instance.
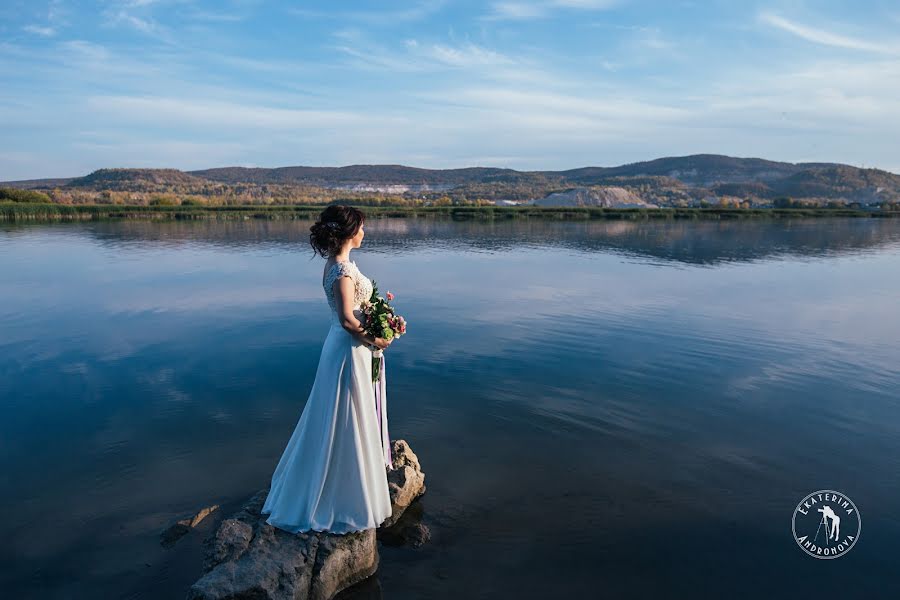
(382, 343)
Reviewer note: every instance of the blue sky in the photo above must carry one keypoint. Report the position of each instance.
(526, 84)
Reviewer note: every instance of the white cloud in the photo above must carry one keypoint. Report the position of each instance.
(586, 4)
(585, 106)
(420, 56)
(137, 3)
(143, 25)
(517, 10)
(40, 30)
(200, 15)
(652, 38)
(416, 12)
(538, 9)
(467, 55)
(119, 149)
(137, 14)
(205, 112)
(824, 96)
(417, 56)
(827, 38)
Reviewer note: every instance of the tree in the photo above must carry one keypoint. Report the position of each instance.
(783, 202)
(17, 195)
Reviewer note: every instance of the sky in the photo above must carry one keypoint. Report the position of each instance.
(523, 84)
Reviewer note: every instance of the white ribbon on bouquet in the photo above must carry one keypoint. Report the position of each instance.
(381, 409)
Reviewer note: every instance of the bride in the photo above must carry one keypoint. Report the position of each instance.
(332, 475)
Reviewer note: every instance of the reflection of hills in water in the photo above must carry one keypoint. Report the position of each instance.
(695, 242)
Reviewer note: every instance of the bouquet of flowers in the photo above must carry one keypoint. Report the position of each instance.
(381, 321)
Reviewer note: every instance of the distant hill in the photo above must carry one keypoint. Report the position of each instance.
(366, 174)
(725, 175)
(134, 179)
(840, 181)
(698, 170)
(664, 181)
(35, 184)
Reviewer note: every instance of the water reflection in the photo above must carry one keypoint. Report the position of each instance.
(604, 402)
(692, 242)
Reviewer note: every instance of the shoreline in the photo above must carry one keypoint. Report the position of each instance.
(20, 211)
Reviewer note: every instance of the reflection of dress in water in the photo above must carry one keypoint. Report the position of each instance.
(332, 475)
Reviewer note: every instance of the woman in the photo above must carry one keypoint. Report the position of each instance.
(332, 476)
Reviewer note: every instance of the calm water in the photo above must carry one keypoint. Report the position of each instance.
(628, 410)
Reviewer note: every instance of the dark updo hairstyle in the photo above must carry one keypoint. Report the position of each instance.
(336, 224)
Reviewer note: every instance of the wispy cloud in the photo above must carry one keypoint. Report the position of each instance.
(40, 30)
(211, 112)
(416, 12)
(55, 20)
(827, 38)
(587, 107)
(537, 9)
(138, 3)
(200, 15)
(138, 15)
(369, 55)
(467, 59)
(516, 10)
(421, 56)
(142, 24)
(586, 4)
(466, 55)
(652, 38)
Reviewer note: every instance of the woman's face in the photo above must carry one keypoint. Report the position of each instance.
(357, 239)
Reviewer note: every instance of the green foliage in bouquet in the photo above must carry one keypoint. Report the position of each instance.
(381, 321)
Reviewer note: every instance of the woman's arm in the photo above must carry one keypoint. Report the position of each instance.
(344, 292)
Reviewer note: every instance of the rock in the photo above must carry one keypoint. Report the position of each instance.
(408, 529)
(277, 564)
(204, 512)
(341, 561)
(230, 541)
(173, 533)
(248, 559)
(178, 529)
(406, 482)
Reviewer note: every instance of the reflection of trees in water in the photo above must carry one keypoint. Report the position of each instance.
(698, 242)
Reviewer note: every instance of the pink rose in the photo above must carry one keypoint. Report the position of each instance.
(390, 296)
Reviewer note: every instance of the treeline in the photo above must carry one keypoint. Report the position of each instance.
(204, 195)
(479, 195)
(245, 195)
(785, 202)
(17, 195)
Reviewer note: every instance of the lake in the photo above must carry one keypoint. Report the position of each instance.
(603, 408)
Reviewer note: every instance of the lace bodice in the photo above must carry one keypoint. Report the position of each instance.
(362, 285)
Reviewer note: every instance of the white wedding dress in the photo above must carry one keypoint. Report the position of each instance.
(332, 475)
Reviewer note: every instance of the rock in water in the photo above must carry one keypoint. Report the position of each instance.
(179, 529)
(248, 559)
(406, 481)
(341, 561)
(275, 564)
